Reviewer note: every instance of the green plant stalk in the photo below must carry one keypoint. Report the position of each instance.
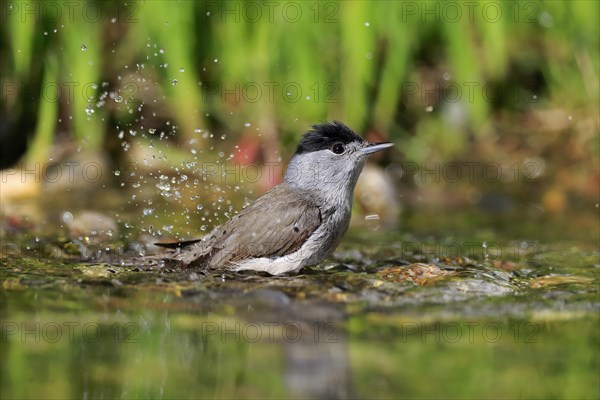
(22, 32)
(170, 24)
(40, 146)
(81, 63)
(468, 70)
(358, 57)
(397, 37)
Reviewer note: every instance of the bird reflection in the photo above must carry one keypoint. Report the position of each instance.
(315, 345)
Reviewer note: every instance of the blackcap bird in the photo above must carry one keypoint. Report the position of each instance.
(296, 224)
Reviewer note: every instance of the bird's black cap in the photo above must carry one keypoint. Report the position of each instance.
(323, 136)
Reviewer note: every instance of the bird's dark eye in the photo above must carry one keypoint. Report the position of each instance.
(337, 148)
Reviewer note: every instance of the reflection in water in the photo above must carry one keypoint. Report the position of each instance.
(262, 345)
(66, 334)
(318, 365)
(315, 344)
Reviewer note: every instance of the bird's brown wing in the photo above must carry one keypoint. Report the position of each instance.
(277, 224)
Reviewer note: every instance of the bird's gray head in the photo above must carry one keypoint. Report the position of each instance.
(329, 159)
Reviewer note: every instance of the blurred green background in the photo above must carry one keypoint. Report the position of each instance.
(510, 85)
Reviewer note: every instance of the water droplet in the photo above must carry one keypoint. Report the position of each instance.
(89, 110)
(174, 82)
(118, 99)
(546, 20)
(429, 108)
(113, 20)
(247, 124)
(199, 207)
(216, 60)
(83, 48)
(67, 217)
(117, 173)
(148, 211)
(367, 23)
(181, 70)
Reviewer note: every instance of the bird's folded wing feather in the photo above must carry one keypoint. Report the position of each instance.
(277, 224)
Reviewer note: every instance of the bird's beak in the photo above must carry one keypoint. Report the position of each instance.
(374, 147)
